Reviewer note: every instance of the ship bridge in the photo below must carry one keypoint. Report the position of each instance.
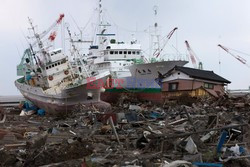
(122, 51)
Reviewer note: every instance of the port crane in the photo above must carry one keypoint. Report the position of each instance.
(240, 59)
(39, 37)
(158, 52)
(193, 57)
(53, 27)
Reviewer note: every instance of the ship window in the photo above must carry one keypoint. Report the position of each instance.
(172, 86)
(149, 70)
(120, 52)
(138, 52)
(143, 70)
(125, 52)
(116, 52)
(59, 63)
(133, 52)
(53, 65)
(129, 52)
(108, 47)
(111, 52)
(47, 68)
(139, 71)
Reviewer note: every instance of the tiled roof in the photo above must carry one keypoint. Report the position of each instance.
(201, 74)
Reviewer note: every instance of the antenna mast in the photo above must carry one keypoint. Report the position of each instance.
(100, 24)
(155, 37)
(39, 41)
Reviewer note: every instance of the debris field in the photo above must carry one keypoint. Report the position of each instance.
(184, 132)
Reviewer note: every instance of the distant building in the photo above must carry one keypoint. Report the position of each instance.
(194, 82)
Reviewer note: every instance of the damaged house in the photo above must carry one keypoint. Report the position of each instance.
(195, 82)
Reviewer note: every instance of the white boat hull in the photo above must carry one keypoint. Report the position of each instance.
(67, 99)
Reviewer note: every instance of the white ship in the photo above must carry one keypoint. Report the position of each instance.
(130, 70)
(52, 82)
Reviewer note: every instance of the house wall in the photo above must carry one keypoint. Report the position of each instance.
(193, 93)
(189, 85)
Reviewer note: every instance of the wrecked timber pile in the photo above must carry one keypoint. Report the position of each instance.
(188, 132)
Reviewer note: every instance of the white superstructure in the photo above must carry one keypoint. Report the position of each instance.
(53, 83)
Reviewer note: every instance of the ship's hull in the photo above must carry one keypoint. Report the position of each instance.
(146, 74)
(142, 82)
(147, 94)
(67, 99)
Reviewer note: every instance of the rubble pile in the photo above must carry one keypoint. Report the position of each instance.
(206, 132)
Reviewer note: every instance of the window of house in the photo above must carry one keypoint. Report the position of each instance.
(208, 85)
(173, 86)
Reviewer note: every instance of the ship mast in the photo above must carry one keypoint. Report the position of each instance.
(155, 37)
(39, 42)
(102, 28)
(75, 50)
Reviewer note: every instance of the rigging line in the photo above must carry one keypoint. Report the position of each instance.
(125, 29)
(219, 58)
(88, 21)
(24, 36)
(76, 24)
(18, 51)
(175, 49)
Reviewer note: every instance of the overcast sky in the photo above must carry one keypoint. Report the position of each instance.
(204, 23)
